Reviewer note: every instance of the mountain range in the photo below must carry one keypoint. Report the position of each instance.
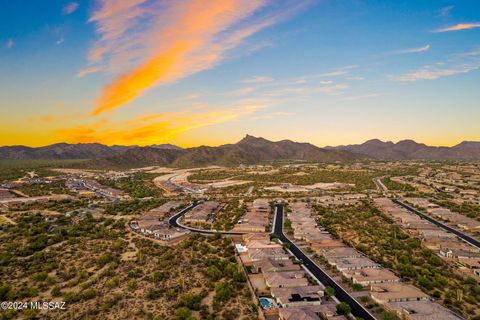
(61, 151)
(249, 150)
(411, 150)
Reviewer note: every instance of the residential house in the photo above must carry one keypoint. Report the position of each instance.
(298, 296)
(285, 279)
(396, 292)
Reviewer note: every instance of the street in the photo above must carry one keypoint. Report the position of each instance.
(461, 235)
(357, 309)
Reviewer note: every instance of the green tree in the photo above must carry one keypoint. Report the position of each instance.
(214, 273)
(343, 308)
(183, 313)
(329, 292)
(223, 291)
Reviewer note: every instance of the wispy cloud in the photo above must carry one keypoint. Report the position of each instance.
(86, 71)
(166, 41)
(153, 128)
(69, 8)
(359, 97)
(300, 88)
(334, 73)
(332, 89)
(299, 91)
(243, 91)
(445, 11)
(456, 64)
(460, 26)
(273, 115)
(433, 73)
(9, 44)
(51, 118)
(413, 50)
(258, 79)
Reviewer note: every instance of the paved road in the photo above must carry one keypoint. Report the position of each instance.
(357, 309)
(174, 222)
(463, 236)
(380, 185)
(186, 190)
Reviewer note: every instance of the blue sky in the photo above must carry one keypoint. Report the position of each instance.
(328, 72)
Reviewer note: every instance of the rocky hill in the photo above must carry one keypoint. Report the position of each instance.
(411, 150)
(249, 150)
(61, 151)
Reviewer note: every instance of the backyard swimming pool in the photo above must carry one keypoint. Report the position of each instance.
(266, 303)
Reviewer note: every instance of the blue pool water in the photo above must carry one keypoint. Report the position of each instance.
(265, 303)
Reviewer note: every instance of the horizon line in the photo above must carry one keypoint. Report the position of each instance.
(217, 145)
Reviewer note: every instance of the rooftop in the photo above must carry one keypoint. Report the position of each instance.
(423, 310)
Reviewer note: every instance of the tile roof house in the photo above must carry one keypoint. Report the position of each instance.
(273, 253)
(396, 292)
(285, 279)
(271, 265)
(371, 276)
(422, 310)
(297, 314)
(203, 213)
(343, 264)
(253, 245)
(256, 237)
(256, 217)
(344, 252)
(326, 244)
(326, 310)
(298, 296)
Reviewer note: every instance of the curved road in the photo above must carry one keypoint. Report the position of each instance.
(378, 182)
(474, 242)
(357, 309)
(174, 222)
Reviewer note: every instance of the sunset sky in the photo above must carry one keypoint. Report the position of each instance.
(329, 72)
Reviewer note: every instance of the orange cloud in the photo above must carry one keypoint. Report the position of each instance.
(461, 26)
(194, 35)
(153, 128)
(129, 86)
(55, 118)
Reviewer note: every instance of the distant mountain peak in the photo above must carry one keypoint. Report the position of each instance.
(61, 151)
(374, 141)
(252, 139)
(467, 145)
(249, 150)
(377, 142)
(410, 150)
(166, 146)
(409, 142)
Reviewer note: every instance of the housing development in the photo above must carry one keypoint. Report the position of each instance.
(280, 240)
(240, 160)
